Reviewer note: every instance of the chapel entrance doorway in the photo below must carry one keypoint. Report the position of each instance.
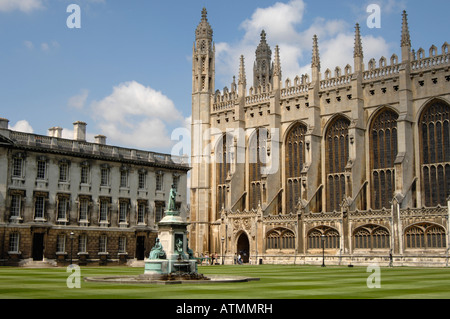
(243, 248)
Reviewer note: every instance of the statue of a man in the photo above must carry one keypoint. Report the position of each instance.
(172, 199)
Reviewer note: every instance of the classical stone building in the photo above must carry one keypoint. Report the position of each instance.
(65, 200)
(353, 162)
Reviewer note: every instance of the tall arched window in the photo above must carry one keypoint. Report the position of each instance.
(383, 146)
(257, 159)
(435, 153)
(223, 160)
(336, 158)
(295, 159)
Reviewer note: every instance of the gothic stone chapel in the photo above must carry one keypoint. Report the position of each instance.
(353, 163)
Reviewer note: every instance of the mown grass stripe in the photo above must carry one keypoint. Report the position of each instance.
(276, 281)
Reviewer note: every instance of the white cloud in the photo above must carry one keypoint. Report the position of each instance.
(78, 101)
(136, 115)
(22, 126)
(28, 44)
(283, 23)
(26, 6)
(46, 47)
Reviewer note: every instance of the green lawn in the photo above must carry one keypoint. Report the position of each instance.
(276, 282)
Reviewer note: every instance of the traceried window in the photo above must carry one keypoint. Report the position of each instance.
(295, 159)
(371, 237)
(425, 236)
(435, 153)
(383, 145)
(323, 237)
(336, 158)
(257, 159)
(280, 239)
(223, 165)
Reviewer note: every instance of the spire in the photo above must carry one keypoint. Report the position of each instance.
(277, 63)
(242, 79)
(406, 39)
(358, 51)
(315, 63)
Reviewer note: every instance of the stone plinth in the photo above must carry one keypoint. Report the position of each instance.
(172, 235)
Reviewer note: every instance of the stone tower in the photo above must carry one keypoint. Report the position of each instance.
(203, 56)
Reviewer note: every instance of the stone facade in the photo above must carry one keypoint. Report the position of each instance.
(65, 200)
(352, 163)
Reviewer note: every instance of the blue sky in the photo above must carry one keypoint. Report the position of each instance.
(127, 71)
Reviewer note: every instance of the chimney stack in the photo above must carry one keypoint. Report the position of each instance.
(79, 131)
(55, 131)
(100, 139)
(3, 123)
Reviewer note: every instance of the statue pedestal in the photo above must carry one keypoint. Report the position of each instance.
(172, 235)
(156, 267)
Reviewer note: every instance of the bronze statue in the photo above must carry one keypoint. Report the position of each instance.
(157, 251)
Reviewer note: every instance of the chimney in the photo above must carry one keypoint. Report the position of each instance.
(55, 131)
(79, 131)
(3, 123)
(100, 139)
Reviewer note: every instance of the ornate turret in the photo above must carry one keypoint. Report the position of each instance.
(262, 69)
(203, 57)
(204, 30)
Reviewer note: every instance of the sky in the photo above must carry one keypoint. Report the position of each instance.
(127, 70)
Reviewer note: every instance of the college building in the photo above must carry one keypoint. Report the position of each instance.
(69, 200)
(343, 166)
